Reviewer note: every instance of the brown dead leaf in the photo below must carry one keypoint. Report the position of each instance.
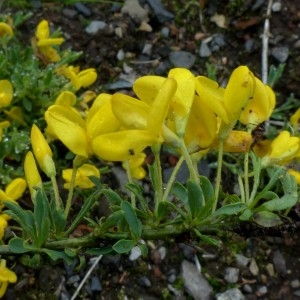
(242, 24)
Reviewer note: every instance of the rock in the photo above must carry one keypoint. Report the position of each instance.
(194, 282)
(232, 294)
(83, 9)
(279, 263)
(262, 290)
(135, 11)
(253, 267)
(69, 12)
(249, 45)
(204, 50)
(258, 4)
(95, 284)
(144, 281)
(118, 85)
(241, 260)
(182, 59)
(165, 32)
(94, 27)
(270, 269)
(280, 53)
(135, 253)
(160, 12)
(147, 49)
(231, 274)
(276, 7)
(295, 283)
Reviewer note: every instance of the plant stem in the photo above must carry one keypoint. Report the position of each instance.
(128, 172)
(158, 184)
(58, 203)
(219, 174)
(246, 177)
(172, 178)
(77, 162)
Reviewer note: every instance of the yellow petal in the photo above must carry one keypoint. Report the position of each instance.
(50, 42)
(32, 174)
(42, 31)
(69, 127)
(294, 119)
(147, 87)
(296, 174)
(238, 92)
(160, 106)
(15, 114)
(260, 107)
(183, 98)
(6, 93)
(16, 188)
(87, 77)
(201, 128)
(5, 29)
(119, 146)
(3, 225)
(238, 141)
(131, 112)
(66, 98)
(211, 94)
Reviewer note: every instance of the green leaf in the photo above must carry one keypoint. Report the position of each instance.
(207, 239)
(123, 246)
(207, 189)
(195, 198)
(162, 210)
(16, 245)
(144, 249)
(112, 197)
(112, 220)
(134, 223)
(99, 251)
(57, 255)
(180, 192)
(230, 209)
(285, 202)
(88, 203)
(246, 215)
(267, 219)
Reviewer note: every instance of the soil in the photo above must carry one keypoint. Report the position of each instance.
(119, 276)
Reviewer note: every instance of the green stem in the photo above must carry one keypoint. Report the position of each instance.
(219, 174)
(77, 162)
(158, 185)
(172, 178)
(193, 172)
(58, 203)
(242, 190)
(130, 180)
(246, 176)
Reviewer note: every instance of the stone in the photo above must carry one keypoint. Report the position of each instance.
(160, 12)
(279, 263)
(253, 267)
(94, 27)
(135, 11)
(232, 294)
(280, 53)
(194, 282)
(231, 274)
(182, 59)
(204, 50)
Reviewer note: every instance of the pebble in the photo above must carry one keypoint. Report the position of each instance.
(73, 279)
(280, 53)
(241, 260)
(165, 32)
(96, 284)
(249, 44)
(297, 293)
(247, 288)
(160, 12)
(253, 267)
(276, 7)
(182, 59)
(163, 252)
(135, 11)
(194, 282)
(83, 9)
(120, 55)
(295, 283)
(94, 27)
(270, 269)
(232, 294)
(262, 290)
(147, 49)
(279, 263)
(204, 50)
(69, 12)
(257, 4)
(231, 274)
(135, 253)
(144, 281)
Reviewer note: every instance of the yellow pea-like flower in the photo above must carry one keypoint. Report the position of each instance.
(6, 93)
(6, 276)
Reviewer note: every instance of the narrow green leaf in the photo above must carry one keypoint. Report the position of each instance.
(246, 215)
(207, 188)
(144, 249)
(267, 219)
(285, 202)
(112, 197)
(230, 209)
(132, 220)
(112, 220)
(57, 255)
(88, 203)
(99, 251)
(195, 198)
(123, 246)
(137, 190)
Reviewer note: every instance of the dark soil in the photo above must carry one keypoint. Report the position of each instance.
(120, 277)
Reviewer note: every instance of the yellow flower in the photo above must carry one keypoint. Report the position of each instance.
(227, 103)
(6, 276)
(78, 78)
(77, 133)
(135, 164)
(282, 149)
(238, 141)
(13, 191)
(42, 152)
(3, 125)
(260, 107)
(32, 174)
(82, 175)
(43, 43)
(5, 29)
(66, 98)
(6, 93)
